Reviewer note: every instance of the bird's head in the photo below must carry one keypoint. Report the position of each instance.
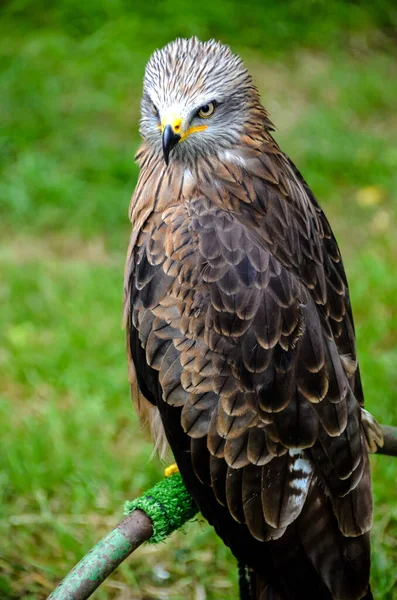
(197, 98)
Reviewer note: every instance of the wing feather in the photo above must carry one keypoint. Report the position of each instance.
(239, 301)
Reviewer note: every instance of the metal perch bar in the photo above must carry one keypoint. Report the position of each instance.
(104, 558)
(131, 532)
(389, 441)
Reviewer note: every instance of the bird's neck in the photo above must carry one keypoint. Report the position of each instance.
(226, 178)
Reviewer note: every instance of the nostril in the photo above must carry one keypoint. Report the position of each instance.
(177, 127)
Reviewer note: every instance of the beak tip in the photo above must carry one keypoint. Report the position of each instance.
(170, 140)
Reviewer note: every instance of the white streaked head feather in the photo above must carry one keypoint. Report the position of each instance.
(187, 74)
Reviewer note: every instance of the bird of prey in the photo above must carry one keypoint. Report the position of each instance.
(240, 332)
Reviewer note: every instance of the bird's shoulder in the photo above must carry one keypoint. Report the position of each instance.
(255, 197)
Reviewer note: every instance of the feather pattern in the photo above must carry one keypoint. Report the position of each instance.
(240, 330)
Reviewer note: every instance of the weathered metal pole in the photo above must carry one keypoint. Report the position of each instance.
(154, 516)
(104, 558)
(137, 528)
(389, 447)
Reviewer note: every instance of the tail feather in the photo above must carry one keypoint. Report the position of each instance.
(261, 590)
(331, 552)
(313, 562)
(244, 583)
(369, 595)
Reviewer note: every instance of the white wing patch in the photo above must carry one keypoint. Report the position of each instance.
(301, 472)
(290, 480)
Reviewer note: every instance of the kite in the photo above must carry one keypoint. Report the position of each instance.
(240, 335)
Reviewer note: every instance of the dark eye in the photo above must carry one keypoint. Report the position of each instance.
(207, 110)
(154, 109)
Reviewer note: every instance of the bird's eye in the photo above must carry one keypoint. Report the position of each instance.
(207, 110)
(154, 109)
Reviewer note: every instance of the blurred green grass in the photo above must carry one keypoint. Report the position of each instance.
(70, 81)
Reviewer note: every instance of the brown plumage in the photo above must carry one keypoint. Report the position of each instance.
(240, 331)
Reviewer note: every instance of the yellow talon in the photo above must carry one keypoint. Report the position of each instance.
(171, 470)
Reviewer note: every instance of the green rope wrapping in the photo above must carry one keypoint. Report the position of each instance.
(168, 505)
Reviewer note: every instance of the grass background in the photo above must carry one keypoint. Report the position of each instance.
(70, 82)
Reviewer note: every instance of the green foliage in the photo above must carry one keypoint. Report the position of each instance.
(70, 82)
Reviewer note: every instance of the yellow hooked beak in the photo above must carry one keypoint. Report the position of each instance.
(172, 129)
